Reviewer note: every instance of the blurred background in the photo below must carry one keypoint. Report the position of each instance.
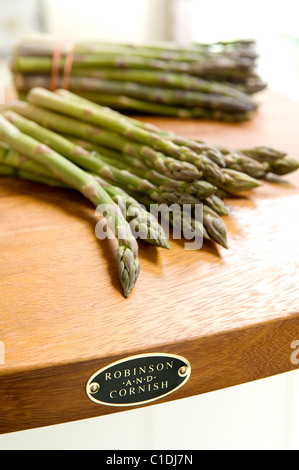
(259, 415)
(274, 24)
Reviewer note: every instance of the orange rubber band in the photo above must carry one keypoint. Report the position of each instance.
(68, 66)
(58, 51)
(55, 64)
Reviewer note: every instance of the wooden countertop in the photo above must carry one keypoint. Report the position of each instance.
(232, 313)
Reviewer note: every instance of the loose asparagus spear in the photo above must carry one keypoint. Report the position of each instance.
(200, 189)
(235, 182)
(149, 228)
(216, 203)
(165, 192)
(189, 227)
(66, 125)
(259, 161)
(263, 154)
(242, 163)
(13, 158)
(212, 152)
(215, 226)
(72, 175)
(6, 170)
(64, 103)
(144, 223)
(230, 181)
(283, 166)
(219, 177)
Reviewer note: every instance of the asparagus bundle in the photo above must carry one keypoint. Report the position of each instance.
(61, 139)
(209, 81)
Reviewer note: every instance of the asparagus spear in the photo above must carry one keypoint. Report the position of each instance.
(164, 51)
(228, 180)
(189, 227)
(242, 163)
(149, 228)
(263, 154)
(66, 125)
(13, 158)
(124, 102)
(144, 224)
(283, 166)
(216, 203)
(221, 178)
(78, 179)
(212, 66)
(212, 152)
(259, 161)
(200, 188)
(173, 97)
(6, 170)
(64, 103)
(165, 192)
(235, 182)
(182, 81)
(215, 226)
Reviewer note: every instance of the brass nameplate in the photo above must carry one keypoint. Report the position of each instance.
(138, 379)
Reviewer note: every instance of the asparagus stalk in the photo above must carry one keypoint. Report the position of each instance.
(212, 152)
(259, 161)
(63, 102)
(213, 227)
(78, 179)
(172, 97)
(263, 154)
(6, 170)
(283, 166)
(242, 163)
(124, 102)
(219, 177)
(200, 189)
(154, 78)
(209, 66)
(216, 204)
(189, 227)
(44, 44)
(166, 51)
(228, 180)
(115, 121)
(66, 125)
(147, 226)
(144, 224)
(165, 192)
(13, 158)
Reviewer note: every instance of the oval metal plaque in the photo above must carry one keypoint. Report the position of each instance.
(138, 379)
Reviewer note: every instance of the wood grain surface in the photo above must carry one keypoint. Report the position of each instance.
(232, 313)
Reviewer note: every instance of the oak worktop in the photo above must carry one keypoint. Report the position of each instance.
(232, 313)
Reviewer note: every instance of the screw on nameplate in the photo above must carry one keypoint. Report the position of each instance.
(138, 379)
